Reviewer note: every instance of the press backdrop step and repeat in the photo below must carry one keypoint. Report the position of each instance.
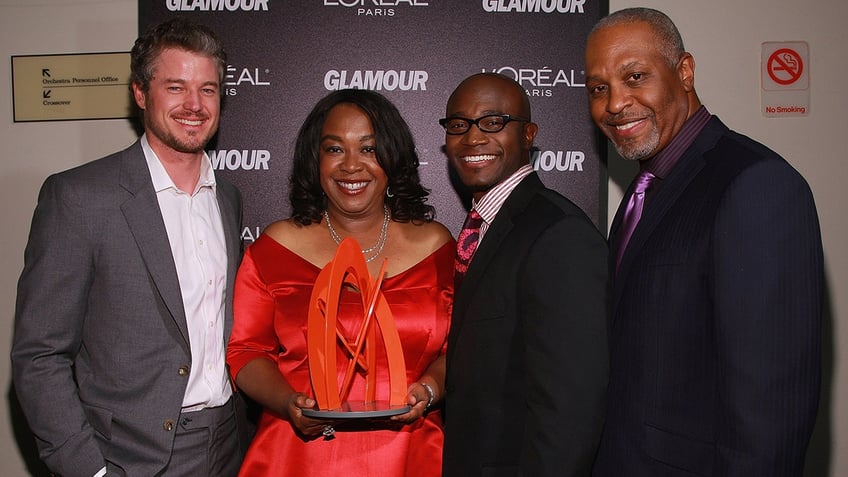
(285, 55)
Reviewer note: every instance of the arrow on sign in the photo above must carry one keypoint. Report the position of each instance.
(45, 72)
(45, 94)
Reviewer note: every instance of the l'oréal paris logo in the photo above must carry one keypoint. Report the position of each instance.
(376, 3)
(542, 82)
(376, 8)
(236, 77)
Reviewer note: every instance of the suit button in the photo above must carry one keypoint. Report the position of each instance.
(168, 425)
(183, 371)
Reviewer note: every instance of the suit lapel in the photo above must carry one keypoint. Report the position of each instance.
(229, 205)
(490, 246)
(683, 173)
(144, 220)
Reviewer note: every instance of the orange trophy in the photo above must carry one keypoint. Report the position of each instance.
(326, 339)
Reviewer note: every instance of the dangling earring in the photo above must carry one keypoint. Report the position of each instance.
(389, 193)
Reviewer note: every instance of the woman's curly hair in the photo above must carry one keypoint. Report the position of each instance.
(395, 153)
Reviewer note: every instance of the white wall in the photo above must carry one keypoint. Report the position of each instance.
(31, 151)
(723, 36)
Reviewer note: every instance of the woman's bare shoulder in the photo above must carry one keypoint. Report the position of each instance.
(426, 236)
(310, 242)
(282, 230)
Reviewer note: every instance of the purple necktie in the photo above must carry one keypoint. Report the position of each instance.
(466, 244)
(633, 212)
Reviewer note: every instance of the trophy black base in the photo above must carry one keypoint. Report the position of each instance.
(359, 410)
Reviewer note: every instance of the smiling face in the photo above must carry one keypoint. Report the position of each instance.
(636, 97)
(182, 103)
(350, 174)
(483, 160)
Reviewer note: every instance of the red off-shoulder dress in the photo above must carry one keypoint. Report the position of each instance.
(272, 294)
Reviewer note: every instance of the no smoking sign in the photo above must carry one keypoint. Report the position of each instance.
(785, 79)
(785, 66)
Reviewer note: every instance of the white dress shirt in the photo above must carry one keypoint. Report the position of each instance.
(196, 235)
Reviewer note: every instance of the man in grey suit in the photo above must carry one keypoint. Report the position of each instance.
(125, 301)
(527, 349)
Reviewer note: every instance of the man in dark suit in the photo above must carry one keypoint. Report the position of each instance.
(527, 349)
(125, 301)
(717, 294)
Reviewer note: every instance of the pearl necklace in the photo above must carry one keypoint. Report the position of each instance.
(375, 249)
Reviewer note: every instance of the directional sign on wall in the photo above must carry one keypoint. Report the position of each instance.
(72, 86)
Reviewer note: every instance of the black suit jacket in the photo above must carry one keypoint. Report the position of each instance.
(101, 342)
(527, 350)
(715, 338)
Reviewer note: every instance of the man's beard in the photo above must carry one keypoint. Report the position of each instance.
(191, 145)
(633, 151)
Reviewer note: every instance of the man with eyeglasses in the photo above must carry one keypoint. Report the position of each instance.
(527, 356)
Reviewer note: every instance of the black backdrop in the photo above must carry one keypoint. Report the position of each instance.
(285, 55)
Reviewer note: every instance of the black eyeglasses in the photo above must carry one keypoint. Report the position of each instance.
(490, 123)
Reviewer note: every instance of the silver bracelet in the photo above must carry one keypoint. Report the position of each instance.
(430, 393)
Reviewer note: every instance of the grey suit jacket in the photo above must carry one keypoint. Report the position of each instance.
(100, 350)
(527, 356)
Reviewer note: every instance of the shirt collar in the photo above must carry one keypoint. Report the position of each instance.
(662, 164)
(491, 202)
(161, 179)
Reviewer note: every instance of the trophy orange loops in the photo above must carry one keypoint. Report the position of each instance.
(324, 336)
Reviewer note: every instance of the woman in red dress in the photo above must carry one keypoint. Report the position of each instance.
(354, 175)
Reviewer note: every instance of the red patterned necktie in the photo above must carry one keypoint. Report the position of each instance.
(466, 244)
(633, 212)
